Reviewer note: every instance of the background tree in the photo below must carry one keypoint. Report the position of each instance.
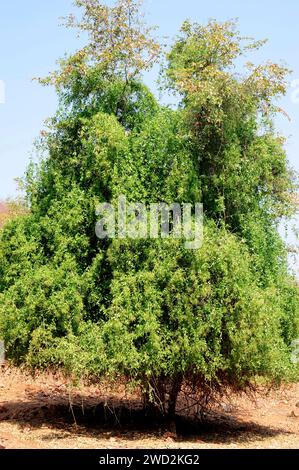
(151, 311)
(10, 209)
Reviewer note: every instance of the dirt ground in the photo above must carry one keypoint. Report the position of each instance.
(44, 412)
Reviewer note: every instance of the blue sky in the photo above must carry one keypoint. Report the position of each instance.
(31, 40)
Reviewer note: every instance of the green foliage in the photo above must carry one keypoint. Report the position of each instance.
(151, 310)
(120, 46)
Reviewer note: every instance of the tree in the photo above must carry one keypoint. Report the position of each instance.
(11, 209)
(152, 311)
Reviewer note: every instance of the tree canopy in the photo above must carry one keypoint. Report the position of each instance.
(152, 310)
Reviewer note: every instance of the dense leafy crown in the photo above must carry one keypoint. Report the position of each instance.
(152, 310)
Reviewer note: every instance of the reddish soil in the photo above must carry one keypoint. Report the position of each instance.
(44, 412)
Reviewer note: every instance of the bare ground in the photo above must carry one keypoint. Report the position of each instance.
(42, 412)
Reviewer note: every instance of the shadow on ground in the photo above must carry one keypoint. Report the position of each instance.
(89, 417)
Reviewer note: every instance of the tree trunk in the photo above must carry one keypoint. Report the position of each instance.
(170, 419)
(162, 405)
